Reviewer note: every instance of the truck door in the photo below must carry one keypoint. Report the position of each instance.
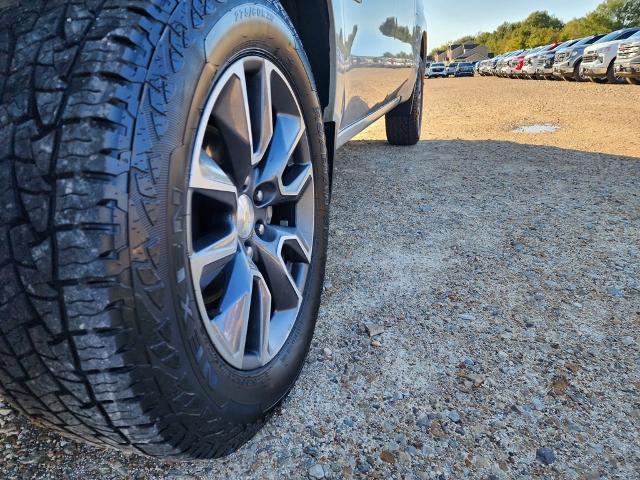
(376, 45)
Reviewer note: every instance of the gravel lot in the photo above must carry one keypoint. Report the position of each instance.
(503, 282)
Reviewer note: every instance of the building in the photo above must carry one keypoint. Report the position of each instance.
(466, 52)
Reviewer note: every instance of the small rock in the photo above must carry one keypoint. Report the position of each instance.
(327, 352)
(348, 422)
(467, 317)
(436, 430)
(423, 422)
(627, 341)
(538, 404)
(454, 416)
(404, 458)
(374, 330)
(572, 367)
(615, 292)
(545, 455)
(311, 451)
(316, 471)
(4, 412)
(387, 457)
(376, 343)
(559, 385)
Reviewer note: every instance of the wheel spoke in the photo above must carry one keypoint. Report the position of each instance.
(207, 263)
(286, 293)
(260, 107)
(261, 317)
(209, 179)
(287, 134)
(232, 116)
(233, 320)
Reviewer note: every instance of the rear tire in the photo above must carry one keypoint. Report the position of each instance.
(404, 123)
(577, 73)
(101, 336)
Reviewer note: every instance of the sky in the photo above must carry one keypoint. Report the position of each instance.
(449, 20)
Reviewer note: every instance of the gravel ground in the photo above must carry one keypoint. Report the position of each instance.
(501, 284)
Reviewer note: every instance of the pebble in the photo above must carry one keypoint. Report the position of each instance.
(374, 329)
(423, 422)
(545, 455)
(387, 457)
(327, 352)
(316, 471)
(376, 343)
(454, 416)
(627, 341)
(615, 292)
(467, 317)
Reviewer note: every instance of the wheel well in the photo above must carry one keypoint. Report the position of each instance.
(312, 22)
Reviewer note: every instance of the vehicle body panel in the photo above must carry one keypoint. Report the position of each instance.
(627, 64)
(598, 57)
(377, 46)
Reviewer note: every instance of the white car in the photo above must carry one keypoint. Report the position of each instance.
(437, 70)
(530, 63)
(598, 60)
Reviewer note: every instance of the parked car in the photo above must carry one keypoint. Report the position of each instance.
(516, 64)
(166, 170)
(545, 60)
(530, 61)
(464, 69)
(598, 61)
(627, 64)
(567, 62)
(503, 68)
(437, 70)
(451, 69)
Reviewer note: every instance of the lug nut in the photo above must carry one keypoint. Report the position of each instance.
(259, 196)
(260, 229)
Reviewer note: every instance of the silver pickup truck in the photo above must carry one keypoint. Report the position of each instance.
(167, 170)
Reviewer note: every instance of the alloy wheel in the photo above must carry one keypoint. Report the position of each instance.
(250, 219)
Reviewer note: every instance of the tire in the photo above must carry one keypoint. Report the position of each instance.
(404, 123)
(611, 75)
(577, 73)
(101, 336)
(633, 81)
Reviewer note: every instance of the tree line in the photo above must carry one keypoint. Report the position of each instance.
(541, 28)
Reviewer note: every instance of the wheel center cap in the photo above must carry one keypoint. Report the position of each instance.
(245, 217)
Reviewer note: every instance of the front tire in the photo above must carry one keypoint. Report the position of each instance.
(577, 72)
(404, 122)
(118, 188)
